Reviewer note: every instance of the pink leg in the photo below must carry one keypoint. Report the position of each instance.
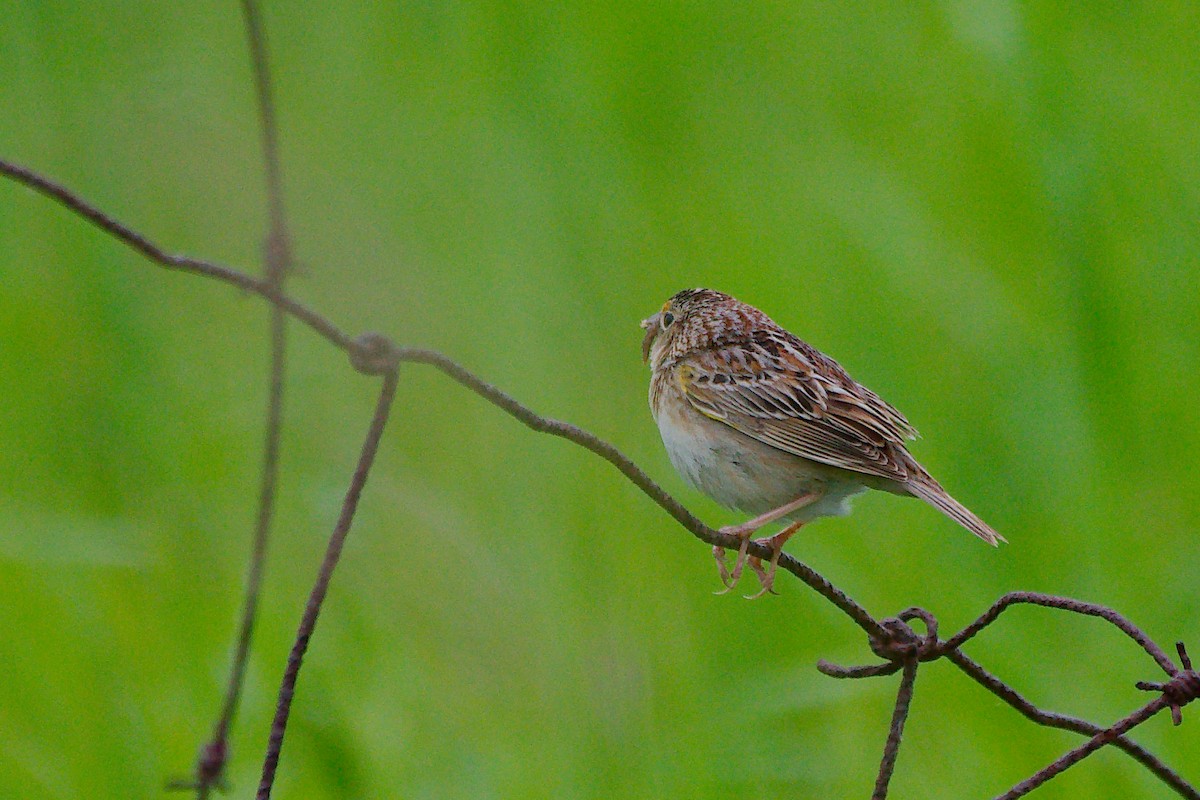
(744, 531)
(750, 526)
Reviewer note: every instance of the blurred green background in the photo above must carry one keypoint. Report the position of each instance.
(986, 210)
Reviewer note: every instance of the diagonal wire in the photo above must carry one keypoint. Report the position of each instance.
(155, 252)
(312, 609)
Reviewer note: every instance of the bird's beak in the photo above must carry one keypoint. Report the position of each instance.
(650, 325)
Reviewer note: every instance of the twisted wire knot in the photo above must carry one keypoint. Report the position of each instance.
(900, 645)
(902, 642)
(210, 771)
(211, 763)
(1183, 688)
(374, 354)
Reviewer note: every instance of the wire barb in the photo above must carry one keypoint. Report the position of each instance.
(374, 354)
(1183, 688)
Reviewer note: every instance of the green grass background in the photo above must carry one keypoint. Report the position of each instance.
(986, 210)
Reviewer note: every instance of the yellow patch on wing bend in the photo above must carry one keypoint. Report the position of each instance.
(684, 377)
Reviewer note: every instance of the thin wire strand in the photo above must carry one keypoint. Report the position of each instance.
(195, 266)
(312, 608)
(1064, 604)
(277, 256)
(256, 38)
(891, 748)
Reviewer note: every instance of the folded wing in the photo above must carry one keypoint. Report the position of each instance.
(785, 393)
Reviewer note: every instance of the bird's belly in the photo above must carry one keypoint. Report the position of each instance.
(743, 473)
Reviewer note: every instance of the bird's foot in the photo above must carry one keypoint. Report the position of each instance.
(744, 530)
(766, 577)
(728, 577)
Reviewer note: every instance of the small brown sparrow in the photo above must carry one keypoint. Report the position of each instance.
(765, 423)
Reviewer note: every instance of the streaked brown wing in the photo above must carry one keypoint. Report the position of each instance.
(787, 394)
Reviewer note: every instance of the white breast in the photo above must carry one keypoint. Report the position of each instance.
(743, 473)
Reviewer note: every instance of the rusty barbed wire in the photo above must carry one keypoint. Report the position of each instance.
(893, 640)
(900, 648)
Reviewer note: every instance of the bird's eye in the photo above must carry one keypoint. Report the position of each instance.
(667, 319)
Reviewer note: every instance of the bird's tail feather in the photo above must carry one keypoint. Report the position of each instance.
(931, 492)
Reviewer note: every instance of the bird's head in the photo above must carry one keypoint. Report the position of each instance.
(684, 323)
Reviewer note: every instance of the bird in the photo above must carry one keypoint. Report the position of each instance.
(764, 423)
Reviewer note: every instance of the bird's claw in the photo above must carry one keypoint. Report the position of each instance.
(760, 593)
(765, 578)
(731, 578)
(722, 567)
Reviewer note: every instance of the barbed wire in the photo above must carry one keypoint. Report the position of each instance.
(892, 640)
